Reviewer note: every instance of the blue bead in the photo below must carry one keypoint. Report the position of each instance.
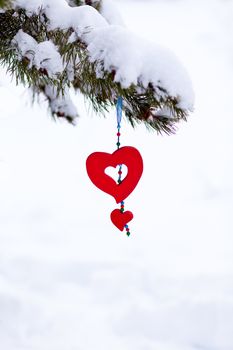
(126, 226)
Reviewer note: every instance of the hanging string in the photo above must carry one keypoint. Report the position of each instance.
(119, 118)
(119, 106)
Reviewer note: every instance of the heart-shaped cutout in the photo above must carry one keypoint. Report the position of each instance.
(120, 219)
(114, 172)
(97, 163)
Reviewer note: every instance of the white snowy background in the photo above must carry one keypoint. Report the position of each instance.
(68, 279)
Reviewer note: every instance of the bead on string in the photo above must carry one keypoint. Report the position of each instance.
(119, 181)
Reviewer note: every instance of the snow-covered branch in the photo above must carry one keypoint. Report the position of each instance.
(105, 59)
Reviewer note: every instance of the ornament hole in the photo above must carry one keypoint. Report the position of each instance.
(113, 172)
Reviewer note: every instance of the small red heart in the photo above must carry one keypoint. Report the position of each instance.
(120, 219)
(97, 163)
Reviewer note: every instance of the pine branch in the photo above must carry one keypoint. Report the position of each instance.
(3, 3)
(94, 3)
(141, 104)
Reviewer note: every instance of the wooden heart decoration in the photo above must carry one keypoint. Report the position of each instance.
(120, 219)
(97, 163)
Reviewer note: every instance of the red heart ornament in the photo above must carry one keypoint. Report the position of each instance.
(97, 163)
(120, 219)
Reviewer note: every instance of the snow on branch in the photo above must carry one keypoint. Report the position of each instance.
(114, 48)
(44, 56)
(139, 63)
(103, 59)
(60, 103)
